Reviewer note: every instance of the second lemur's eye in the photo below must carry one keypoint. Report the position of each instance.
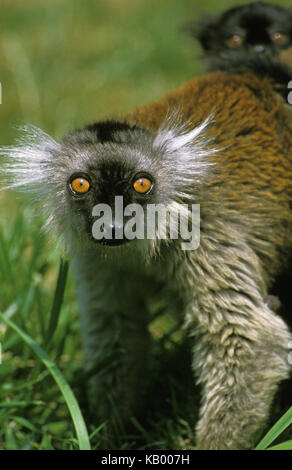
(279, 38)
(142, 185)
(235, 40)
(80, 185)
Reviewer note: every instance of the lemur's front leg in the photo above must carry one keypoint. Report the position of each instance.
(241, 349)
(115, 338)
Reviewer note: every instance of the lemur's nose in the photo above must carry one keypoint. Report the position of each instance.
(110, 233)
(259, 48)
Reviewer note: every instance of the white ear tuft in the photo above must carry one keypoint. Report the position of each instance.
(28, 164)
(186, 152)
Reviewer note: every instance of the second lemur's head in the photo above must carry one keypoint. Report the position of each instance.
(109, 183)
(257, 26)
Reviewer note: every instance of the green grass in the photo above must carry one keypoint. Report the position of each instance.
(69, 398)
(282, 424)
(63, 64)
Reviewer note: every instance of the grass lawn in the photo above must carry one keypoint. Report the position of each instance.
(63, 64)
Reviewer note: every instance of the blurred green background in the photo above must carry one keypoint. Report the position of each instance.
(67, 62)
(64, 63)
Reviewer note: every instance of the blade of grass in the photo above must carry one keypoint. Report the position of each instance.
(58, 299)
(97, 430)
(140, 428)
(276, 430)
(287, 445)
(5, 262)
(21, 404)
(25, 423)
(69, 397)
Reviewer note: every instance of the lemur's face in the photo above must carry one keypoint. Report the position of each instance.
(125, 184)
(106, 184)
(111, 176)
(111, 183)
(258, 26)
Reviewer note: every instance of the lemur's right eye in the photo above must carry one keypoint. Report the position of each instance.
(279, 38)
(235, 40)
(142, 185)
(80, 185)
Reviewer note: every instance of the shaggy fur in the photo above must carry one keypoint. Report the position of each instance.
(246, 240)
(223, 141)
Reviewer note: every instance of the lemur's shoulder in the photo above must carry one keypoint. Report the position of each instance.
(235, 100)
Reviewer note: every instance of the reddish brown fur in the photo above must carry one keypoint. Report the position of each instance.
(251, 125)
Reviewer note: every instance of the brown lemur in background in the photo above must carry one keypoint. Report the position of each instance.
(258, 27)
(222, 141)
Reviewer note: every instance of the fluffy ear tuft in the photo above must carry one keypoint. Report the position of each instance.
(29, 164)
(186, 153)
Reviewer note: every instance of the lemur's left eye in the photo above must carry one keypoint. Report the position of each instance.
(235, 40)
(142, 185)
(279, 38)
(80, 185)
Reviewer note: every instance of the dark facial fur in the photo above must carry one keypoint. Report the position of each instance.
(258, 26)
(112, 169)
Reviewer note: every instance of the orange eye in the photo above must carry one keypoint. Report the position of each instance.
(80, 185)
(235, 40)
(142, 185)
(279, 38)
